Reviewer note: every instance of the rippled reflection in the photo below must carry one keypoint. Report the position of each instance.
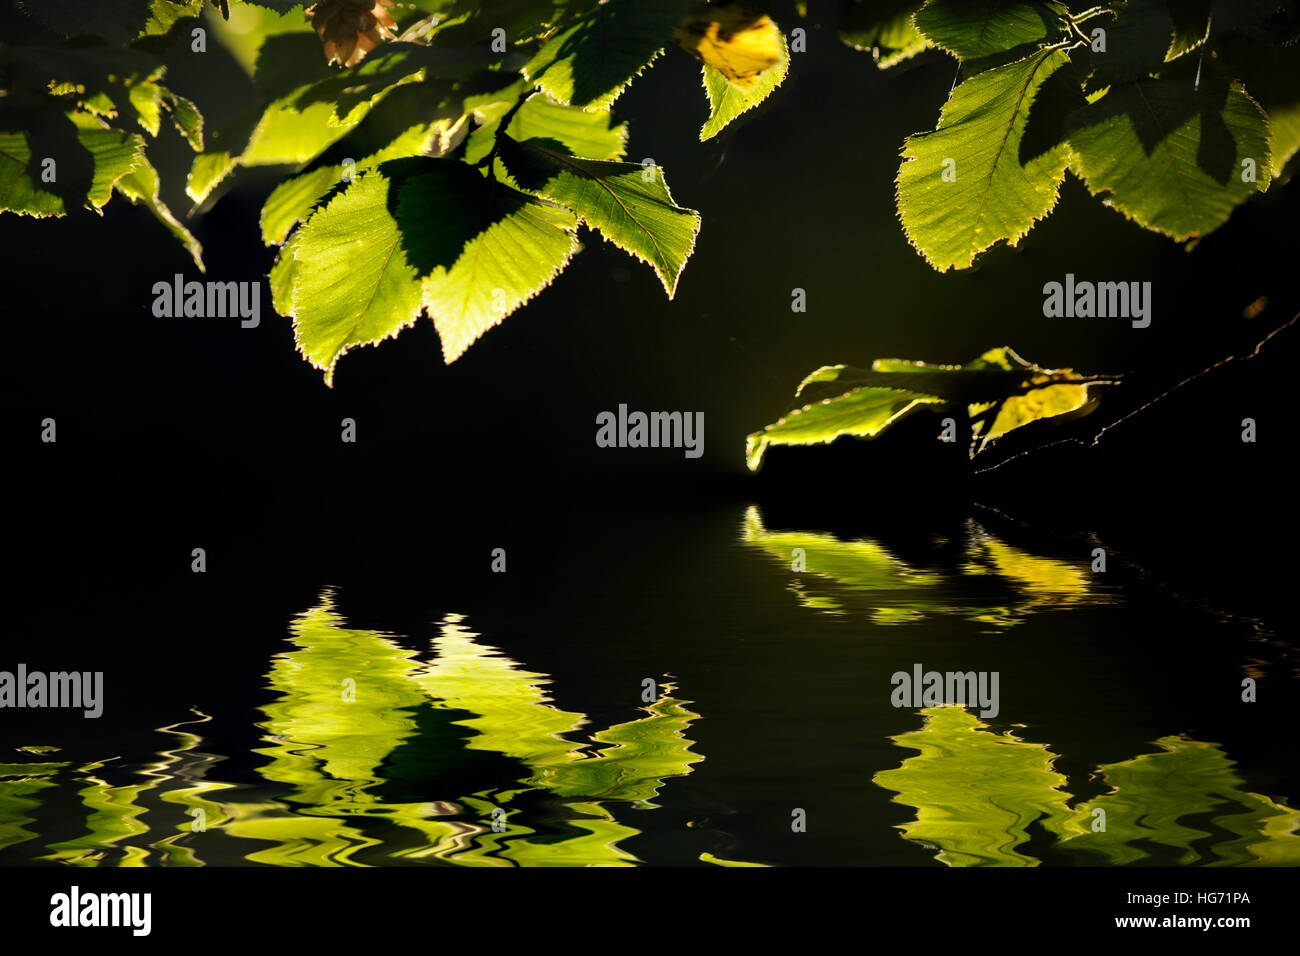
(995, 583)
(372, 752)
(978, 795)
(357, 742)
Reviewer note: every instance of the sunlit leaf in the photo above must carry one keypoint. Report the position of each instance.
(963, 187)
(864, 402)
(591, 62)
(628, 203)
(109, 154)
(207, 172)
(1169, 156)
(977, 31)
(592, 134)
(886, 29)
(495, 249)
(353, 283)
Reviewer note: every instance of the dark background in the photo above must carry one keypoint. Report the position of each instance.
(183, 433)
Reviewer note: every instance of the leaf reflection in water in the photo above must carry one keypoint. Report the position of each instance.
(349, 705)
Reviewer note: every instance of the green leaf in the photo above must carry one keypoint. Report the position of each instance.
(989, 195)
(206, 173)
(19, 191)
(281, 278)
(1047, 393)
(164, 14)
(1284, 132)
(864, 402)
(589, 133)
(1271, 76)
(983, 33)
(521, 19)
(863, 412)
(1145, 35)
(147, 100)
(637, 215)
(418, 234)
(1191, 26)
(101, 158)
(1169, 156)
(298, 127)
(727, 101)
(886, 29)
(141, 185)
(294, 199)
(187, 119)
(496, 249)
(352, 282)
(590, 63)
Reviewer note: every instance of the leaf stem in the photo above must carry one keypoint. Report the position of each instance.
(1085, 15)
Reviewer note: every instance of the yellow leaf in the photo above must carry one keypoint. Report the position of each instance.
(738, 43)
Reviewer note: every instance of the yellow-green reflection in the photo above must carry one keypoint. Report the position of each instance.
(20, 785)
(347, 700)
(977, 794)
(1170, 797)
(838, 577)
(346, 703)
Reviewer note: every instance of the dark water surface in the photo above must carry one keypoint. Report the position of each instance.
(418, 718)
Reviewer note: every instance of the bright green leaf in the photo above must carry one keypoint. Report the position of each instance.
(590, 63)
(292, 201)
(592, 134)
(352, 283)
(1169, 156)
(863, 412)
(206, 173)
(163, 14)
(963, 187)
(495, 249)
(106, 154)
(628, 203)
(886, 29)
(977, 31)
(18, 188)
(187, 119)
(864, 402)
